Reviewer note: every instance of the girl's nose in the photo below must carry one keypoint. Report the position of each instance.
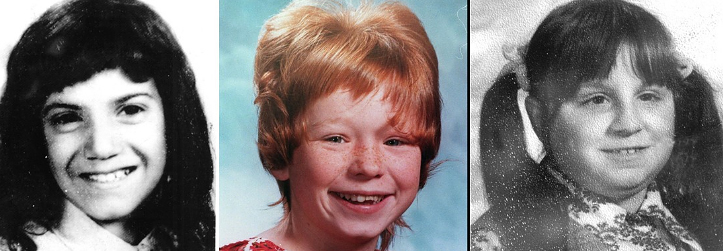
(368, 162)
(101, 141)
(627, 121)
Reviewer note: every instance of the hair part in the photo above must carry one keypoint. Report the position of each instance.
(307, 52)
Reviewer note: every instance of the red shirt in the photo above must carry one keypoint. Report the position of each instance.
(252, 244)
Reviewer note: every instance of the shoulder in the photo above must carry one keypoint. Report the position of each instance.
(6, 245)
(538, 225)
(252, 244)
(484, 237)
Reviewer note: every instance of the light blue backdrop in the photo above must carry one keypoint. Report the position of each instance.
(438, 216)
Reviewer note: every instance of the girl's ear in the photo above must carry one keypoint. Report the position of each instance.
(280, 174)
(535, 111)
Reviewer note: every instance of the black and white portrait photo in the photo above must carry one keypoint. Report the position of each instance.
(595, 125)
(107, 125)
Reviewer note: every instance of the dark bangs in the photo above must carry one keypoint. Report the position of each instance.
(66, 46)
(581, 42)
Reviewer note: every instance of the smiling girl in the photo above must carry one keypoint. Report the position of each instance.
(631, 135)
(104, 140)
(349, 123)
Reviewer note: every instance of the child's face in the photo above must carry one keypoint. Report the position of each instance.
(106, 143)
(615, 135)
(355, 173)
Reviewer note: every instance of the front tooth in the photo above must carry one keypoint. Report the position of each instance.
(627, 151)
(110, 176)
(360, 198)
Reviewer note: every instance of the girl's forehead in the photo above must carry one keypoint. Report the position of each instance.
(622, 74)
(624, 71)
(346, 101)
(106, 86)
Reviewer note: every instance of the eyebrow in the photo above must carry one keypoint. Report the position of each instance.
(131, 96)
(121, 100)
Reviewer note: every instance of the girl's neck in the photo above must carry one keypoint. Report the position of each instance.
(77, 222)
(632, 203)
(124, 229)
(298, 235)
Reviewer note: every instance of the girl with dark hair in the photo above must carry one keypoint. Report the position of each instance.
(104, 142)
(631, 136)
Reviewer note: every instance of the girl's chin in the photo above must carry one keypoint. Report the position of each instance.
(109, 213)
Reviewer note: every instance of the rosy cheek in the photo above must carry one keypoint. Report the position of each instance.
(411, 169)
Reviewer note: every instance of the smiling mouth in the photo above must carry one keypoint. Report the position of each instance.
(631, 150)
(361, 199)
(108, 177)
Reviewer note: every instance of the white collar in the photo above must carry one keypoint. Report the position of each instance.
(77, 231)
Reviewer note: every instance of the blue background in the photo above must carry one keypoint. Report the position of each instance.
(438, 217)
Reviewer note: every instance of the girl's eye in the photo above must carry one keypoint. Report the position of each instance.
(65, 118)
(131, 110)
(65, 121)
(649, 96)
(335, 139)
(393, 142)
(132, 113)
(596, 100)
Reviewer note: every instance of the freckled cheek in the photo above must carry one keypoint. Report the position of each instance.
(319, 165)
(405, 168)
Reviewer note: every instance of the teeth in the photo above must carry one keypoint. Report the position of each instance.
(627, 151)
(374, 199)
(110, 177)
